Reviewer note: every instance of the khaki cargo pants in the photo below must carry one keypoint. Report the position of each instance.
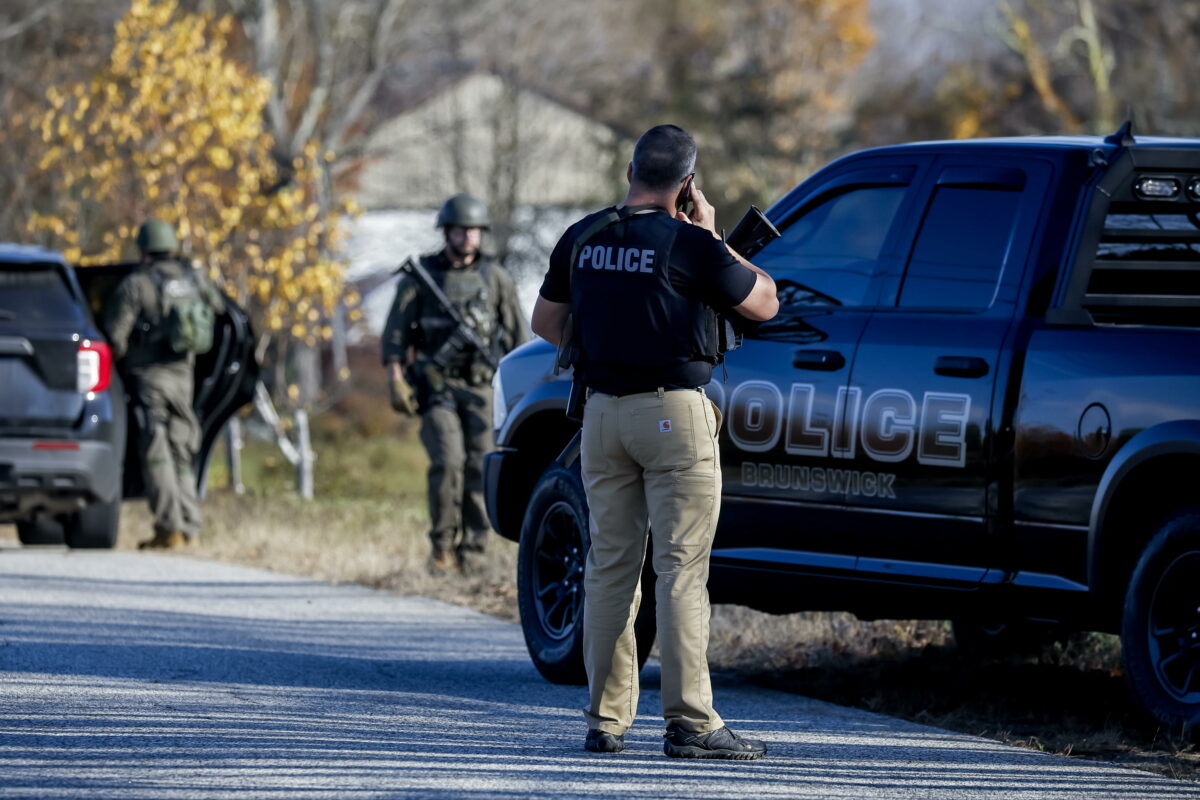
(650, 460)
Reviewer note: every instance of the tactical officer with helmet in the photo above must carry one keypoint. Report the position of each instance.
(634, 292)
(435, 371)
(159, 318)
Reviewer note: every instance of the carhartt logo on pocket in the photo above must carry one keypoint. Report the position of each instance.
(664, 426)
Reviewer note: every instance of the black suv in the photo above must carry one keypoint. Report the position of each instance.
(68, 451)
(980, 401)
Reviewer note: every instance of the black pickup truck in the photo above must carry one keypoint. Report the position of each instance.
(68, 450)
(980, 401)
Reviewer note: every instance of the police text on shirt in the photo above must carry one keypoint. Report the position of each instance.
(617, 259)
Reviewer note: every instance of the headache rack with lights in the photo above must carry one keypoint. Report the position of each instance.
(1138, 259)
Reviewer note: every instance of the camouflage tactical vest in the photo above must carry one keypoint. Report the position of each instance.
(470, 292)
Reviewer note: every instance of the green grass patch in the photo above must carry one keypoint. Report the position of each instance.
(348, 465)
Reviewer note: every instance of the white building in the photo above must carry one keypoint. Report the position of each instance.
(508, 145)
(534, 161)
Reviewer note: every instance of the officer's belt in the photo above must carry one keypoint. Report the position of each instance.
(652, 390)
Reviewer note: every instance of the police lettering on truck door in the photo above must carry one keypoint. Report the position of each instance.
(890, 425)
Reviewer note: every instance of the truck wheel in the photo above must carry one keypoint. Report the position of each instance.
(997, 638)
(550, 563)
(40, 531)
(1160, 627)
(95, 526)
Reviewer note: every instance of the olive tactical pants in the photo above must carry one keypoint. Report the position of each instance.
(650, 460)
(170, 438)
(457, 433)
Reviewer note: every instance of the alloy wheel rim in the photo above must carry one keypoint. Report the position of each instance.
(558, 573)
(1174, 630)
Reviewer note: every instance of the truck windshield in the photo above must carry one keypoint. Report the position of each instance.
(36, 293)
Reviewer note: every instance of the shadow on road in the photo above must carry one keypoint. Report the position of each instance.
(126, 688)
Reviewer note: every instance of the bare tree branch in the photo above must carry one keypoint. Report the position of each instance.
(323, 74)
(268, 60)
(389, 12)
(1032, 53)
(15, 29)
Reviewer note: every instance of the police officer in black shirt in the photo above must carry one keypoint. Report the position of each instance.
(634, 292)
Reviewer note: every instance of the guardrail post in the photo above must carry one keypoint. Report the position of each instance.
(304, 469)
(233, 452)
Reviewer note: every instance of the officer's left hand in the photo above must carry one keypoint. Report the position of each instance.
(403, 398)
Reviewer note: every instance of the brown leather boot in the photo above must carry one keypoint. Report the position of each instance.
(442, 563)
(165, 541)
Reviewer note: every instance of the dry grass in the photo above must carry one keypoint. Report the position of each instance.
(1069, 698)
(752, 642)
(372, 543)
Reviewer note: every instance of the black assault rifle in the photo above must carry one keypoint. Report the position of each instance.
(464, 335)
(752, 233)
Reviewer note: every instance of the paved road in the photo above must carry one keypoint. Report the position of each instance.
(124, 675)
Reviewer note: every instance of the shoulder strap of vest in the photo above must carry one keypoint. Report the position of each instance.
(485, 269)
(598, 224)
(160, 295)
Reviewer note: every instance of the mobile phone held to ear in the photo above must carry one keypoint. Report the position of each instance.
(684, 201)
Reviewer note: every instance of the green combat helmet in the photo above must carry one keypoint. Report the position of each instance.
(464, 210)
(156, 236)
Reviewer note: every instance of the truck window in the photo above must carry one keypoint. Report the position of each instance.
(961, 248)
(829, 255)
(33, 293)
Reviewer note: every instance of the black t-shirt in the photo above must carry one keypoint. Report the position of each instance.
(700, 268)
(632, 354)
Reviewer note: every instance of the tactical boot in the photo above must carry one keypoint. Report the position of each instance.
(442, 563)
(165, 541)
(471, 562)
(599, 741)
(721, 743)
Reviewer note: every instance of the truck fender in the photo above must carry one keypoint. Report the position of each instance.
(1179, 437)
(548, 396)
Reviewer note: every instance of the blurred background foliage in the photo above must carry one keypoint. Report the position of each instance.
(246, 122)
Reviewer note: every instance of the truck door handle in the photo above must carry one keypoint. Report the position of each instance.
(960, 366)
(827, 360)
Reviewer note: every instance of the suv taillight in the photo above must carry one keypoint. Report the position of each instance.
(94, 361)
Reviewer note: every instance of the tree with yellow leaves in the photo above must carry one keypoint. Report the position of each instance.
(173, 127)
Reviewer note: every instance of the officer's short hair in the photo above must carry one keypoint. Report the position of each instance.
(663, 157)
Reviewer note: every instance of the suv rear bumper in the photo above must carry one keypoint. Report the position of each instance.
(53, 480)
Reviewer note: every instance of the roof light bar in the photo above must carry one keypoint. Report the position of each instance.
(1156, 188)
(1193, 189)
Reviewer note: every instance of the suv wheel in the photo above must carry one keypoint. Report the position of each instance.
(95, 526)
(1160, 628)
(40, 531)
(550, 563)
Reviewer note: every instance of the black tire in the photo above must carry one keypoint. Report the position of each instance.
(550, 563)
(95, 527)
(1000, 638)
(40, 531)
(1160, 626)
